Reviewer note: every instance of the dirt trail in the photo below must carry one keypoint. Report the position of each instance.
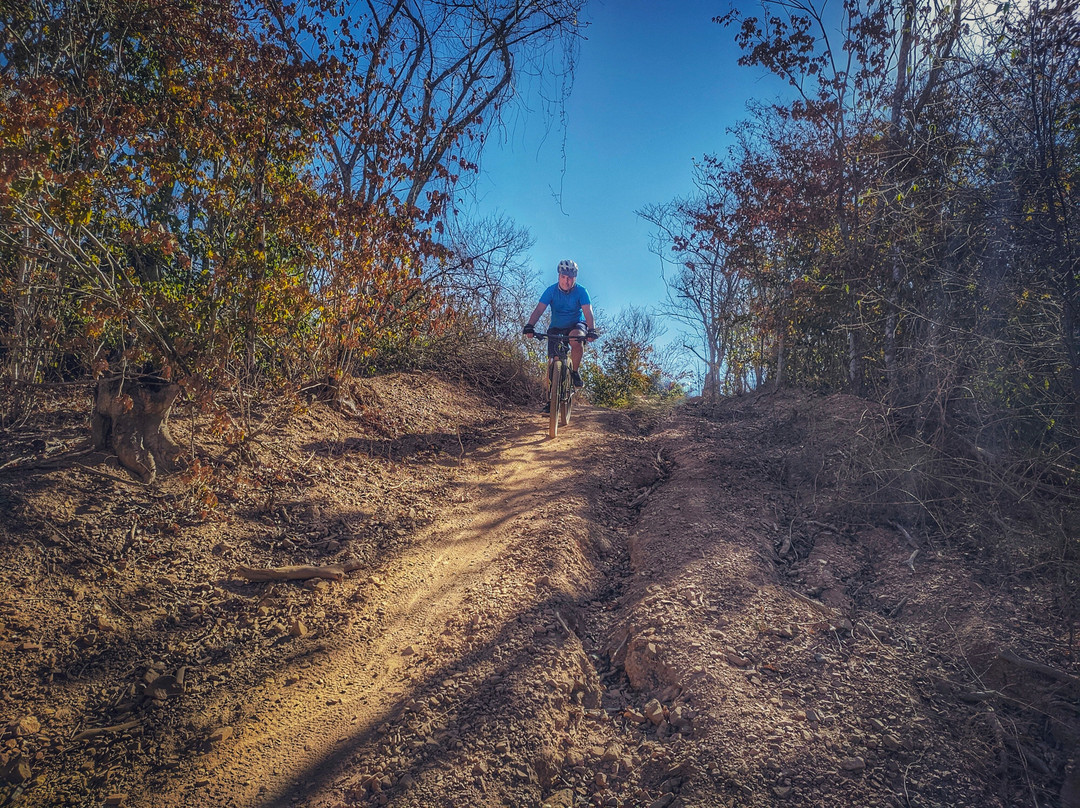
(410, 615)
(677, 608)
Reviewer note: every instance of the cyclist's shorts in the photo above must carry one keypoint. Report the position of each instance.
(565, 332)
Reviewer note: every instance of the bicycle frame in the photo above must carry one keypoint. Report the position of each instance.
(560, 390)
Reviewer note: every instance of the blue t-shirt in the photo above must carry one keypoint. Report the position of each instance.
(566, 306)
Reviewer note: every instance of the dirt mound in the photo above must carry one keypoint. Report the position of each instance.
(679, 608)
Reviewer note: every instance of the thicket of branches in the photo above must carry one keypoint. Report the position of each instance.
(626, 365)
(243, 193)
(905, 228)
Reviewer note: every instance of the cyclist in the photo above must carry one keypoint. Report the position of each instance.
(571, 315)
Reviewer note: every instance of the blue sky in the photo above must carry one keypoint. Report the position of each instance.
(656, 85)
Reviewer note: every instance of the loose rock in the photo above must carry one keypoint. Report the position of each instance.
(27, 725)
(654, 711)
(853, 764)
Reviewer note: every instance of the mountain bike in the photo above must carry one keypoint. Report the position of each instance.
(560, 386)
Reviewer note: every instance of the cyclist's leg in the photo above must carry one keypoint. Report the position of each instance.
(577, 349)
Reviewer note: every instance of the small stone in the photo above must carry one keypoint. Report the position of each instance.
(782, 792)
(297, 628)
(27, 725)
(736, 660)
(654, 711)
(560, 799)
(853, 764)
(221, 734)
(408, 650)
(118, 800)
(101, 624)
(633, 715)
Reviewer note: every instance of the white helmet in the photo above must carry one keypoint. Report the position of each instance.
(568, 268)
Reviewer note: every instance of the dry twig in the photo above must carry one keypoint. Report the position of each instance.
(1038, 667)
(329, 572)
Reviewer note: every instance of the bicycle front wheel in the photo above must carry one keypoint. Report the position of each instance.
(567, 400)
(554, 389)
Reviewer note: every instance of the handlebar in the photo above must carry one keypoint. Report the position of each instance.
(559, 337)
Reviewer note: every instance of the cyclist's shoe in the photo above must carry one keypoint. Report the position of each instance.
(575, 377)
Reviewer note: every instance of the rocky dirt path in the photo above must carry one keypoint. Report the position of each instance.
(660, 610)
(441, 637)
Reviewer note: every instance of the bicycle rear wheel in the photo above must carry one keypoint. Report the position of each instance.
(554, 393)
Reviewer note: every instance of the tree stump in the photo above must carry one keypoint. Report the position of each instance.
(131, 418)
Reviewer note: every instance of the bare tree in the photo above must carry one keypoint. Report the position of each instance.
(433, 74)
(488, 271)
(706, 292)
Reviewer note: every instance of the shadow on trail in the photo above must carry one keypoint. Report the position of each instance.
(335, 767)
(505, 655)
(410, 445)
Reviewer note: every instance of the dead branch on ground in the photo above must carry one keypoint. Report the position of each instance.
(329, 572)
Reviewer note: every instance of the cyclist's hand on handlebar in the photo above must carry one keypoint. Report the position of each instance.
(591, 335)
(528, 330)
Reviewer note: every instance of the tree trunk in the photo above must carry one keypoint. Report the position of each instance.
(131, 418)
(778, 382)
(26, 347)
(855, 362)
(891, 347)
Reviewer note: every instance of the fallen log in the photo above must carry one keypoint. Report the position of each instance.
(329, 572)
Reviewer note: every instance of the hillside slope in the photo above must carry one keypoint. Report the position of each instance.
(652, 610)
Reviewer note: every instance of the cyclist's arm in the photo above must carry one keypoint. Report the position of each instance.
(586, 309)
(534, 318)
